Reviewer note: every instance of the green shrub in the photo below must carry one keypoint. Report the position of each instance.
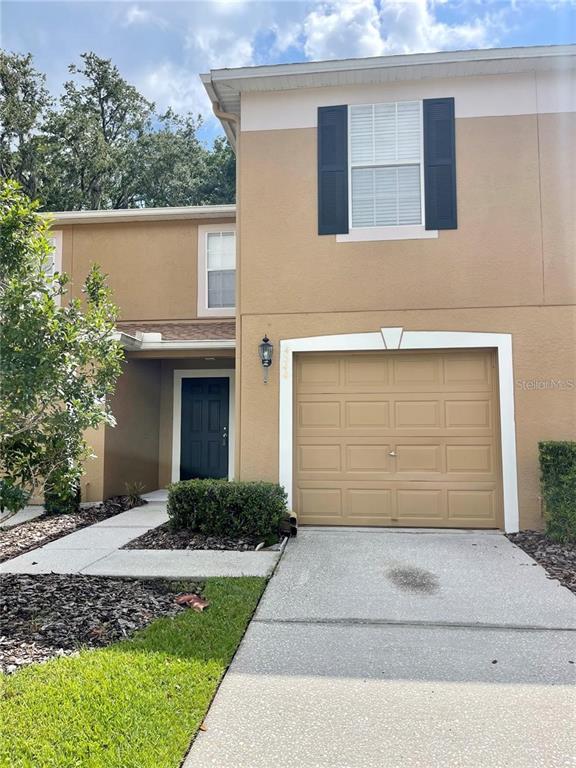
(558, 467)
(60, 497)
(12, 497)
(222, 508)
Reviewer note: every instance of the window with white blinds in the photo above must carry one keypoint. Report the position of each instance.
(385, 164)
(220, 269)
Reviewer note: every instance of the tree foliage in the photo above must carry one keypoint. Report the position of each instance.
(58, 359)
(103, 145)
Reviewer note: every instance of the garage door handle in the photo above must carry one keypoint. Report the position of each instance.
(392, 453)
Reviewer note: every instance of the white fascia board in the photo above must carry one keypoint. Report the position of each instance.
(147, 214)
(498, 58)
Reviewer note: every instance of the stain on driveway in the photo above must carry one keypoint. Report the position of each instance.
(412, 579)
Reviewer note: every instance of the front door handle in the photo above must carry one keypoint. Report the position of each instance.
(225, 436)
(392, 453)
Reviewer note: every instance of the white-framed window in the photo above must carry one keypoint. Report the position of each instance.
(386, 175)
(216, 270)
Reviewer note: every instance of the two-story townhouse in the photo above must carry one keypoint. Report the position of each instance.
(406, 238)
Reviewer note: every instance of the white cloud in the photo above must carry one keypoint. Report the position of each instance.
(134, 15)
(169, 85)
(221, 47)
(349, 28)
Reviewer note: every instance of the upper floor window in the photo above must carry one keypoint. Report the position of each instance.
(216, 270)
(385, 150)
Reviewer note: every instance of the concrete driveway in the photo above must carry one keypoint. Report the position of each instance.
(389, 649)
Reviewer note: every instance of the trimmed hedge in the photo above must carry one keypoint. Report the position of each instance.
(223, 508)
(558, 467)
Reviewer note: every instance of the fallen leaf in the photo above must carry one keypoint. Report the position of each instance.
(202, 728)
(196, 602)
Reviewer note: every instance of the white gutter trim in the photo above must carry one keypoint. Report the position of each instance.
(148, 214)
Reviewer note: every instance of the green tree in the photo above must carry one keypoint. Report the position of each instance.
(219, 183)
(24, 106)
(103, 145)
(58, 359)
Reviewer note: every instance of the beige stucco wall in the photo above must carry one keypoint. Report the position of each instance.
(151, 265)
(131, 447)
(508, 268)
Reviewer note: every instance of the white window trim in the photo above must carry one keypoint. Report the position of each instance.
(395, 339)
(394, 232)
(203, 309)
(402, 232)
(216, 373)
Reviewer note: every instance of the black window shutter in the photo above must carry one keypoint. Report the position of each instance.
(440, 164)
(332, 170)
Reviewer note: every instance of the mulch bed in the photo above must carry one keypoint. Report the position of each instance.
(163, 537)
(559, 560)
(46, 528)
(50, 615)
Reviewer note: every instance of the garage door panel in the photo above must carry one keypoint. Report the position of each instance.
(424, 504)
(419, 458)
(468, 414)
(321, 502)
(417, 372)
(417, 414)
(398, 439)
(374, 504)
(367, 457)
(468, 370)
(362, 372)
(470, 459)
(472, 505)
(319, 458)
(367, 414)
(319, 414)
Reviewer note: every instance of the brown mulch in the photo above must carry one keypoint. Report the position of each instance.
(50, 615)
(46, 528)
(559, 560)
(163, 537)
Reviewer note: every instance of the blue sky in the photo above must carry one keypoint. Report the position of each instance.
(162, 46)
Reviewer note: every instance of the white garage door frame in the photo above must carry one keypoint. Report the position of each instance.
(397, 339)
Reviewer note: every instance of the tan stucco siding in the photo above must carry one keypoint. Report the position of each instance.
(557, 141)
(544, 350)
(131, 450)
(494, 258)
(151, 266)
(92, 480)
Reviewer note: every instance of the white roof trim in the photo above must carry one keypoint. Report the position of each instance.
(224, 86)
(141, 343)
(527, 54)
(147, 214)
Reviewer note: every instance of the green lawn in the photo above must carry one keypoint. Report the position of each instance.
(135, 704)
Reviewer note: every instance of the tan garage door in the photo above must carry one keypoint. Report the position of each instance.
(406, 439)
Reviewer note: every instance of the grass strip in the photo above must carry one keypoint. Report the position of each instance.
(134, 704)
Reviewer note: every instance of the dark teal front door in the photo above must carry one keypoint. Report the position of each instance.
(204, 430)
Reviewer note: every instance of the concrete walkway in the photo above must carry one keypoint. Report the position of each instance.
(389, 649)
(95, 551)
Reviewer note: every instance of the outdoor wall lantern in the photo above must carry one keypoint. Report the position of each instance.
(265, 349)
